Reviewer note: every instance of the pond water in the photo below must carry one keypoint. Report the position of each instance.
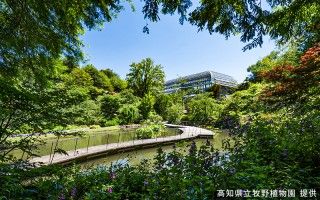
(92, 139)
(135, 157)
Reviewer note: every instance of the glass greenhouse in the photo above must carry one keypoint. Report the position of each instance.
(201, 82)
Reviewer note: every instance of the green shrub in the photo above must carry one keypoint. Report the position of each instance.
(150, 131)
(129, 114)
(277, 152)
(145, 132)
(204, 110)
(25, 128)
(239, 106)
(58, 128)
(113, 122)
(127, 97)
(162, 103)
(171, 176)
(87, 113)
(94, 127)
(146, 106)
(110, 105)
(72, 127)
(175, 113)
(154, 118)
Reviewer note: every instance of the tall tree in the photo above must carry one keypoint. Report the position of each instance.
(26, 107)
(100, 80)
(117, 83)
(145, 77)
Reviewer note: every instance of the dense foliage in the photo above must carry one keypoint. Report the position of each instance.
(293, 20)
(145, 78)
(150, 131)
(174, 113)
(273, 147)
(203, 110)
(171, 176)
(54, 27)
(300, 83)
(129, 114)
(273, 116)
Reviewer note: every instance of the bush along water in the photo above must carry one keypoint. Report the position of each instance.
(171, 176)
(150, 131)
(289, 159)
(152, 127)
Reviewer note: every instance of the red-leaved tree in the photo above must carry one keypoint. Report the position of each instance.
(290, 84)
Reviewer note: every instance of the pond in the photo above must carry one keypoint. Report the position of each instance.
(92, 138)
(135, 157)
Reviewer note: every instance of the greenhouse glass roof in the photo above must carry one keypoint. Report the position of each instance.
(213, 77)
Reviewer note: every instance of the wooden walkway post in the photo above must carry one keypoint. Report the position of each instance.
(118, 139)
(75, 146)
(134, 136)
(88, 143)
(51, 151)
(107, 141)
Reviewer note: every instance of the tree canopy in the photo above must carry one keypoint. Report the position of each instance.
(34, 34)
(282, 20)
(145, 77)
(292, 84)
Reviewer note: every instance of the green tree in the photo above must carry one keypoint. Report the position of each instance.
(174, 113)
(80, 78)
(146, 106)
(203, 110)
(34, 34)
(110, 105)
(26, 103)
(127, 97)
(117, 83)
(240, 106)
(17, 107)
(100, 80)
(129, 113)
(88, 113)
(265, 63)
(145, 78)
(162, 103)
(289, 56)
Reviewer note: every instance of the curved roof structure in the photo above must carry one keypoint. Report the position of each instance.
(214, 77)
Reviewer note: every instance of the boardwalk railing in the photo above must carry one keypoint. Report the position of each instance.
(76, 147)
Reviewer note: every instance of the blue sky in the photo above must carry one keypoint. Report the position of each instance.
(180, 49)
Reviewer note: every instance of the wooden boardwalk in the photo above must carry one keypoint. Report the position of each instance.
(188, 132)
